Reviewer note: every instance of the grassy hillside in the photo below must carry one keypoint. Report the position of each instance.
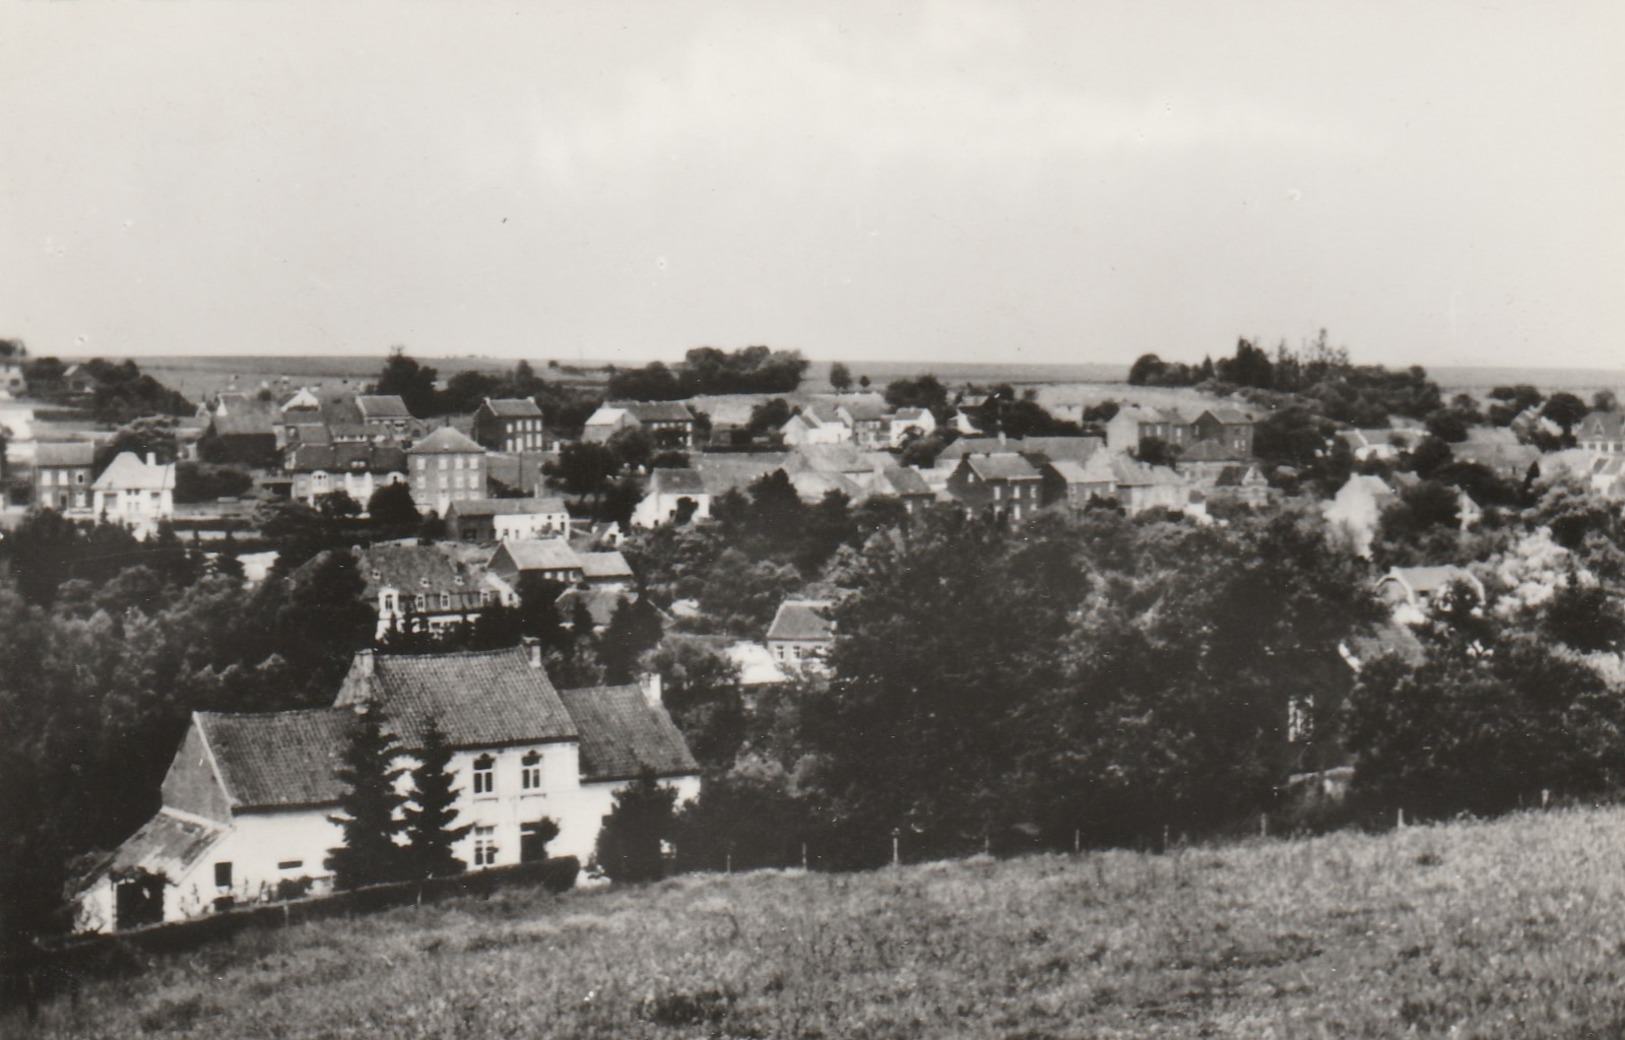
(1508, 929)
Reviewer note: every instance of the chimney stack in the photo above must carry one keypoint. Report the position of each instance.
(533, 650)
(650, 682)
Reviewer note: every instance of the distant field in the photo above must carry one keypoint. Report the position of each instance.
(1510, 929)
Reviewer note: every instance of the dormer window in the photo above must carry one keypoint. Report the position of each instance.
(484, 775)
(530, 771)
(423, 582)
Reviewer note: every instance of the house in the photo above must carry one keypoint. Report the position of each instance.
(865, 415)
(551, 558)
(248, 802)
(722, 472)
(510, 424)
(606, 570)
(1602, 432)
(1497, 449)
(384, 414)
(1374, 443)
(802, 635)
(446, 467)
(672, 495)
(241, 430)
(136, 493)
(358, 470)
(63, 476)
(669, 424)
(908, 423)
(756, 664)
(599, 604)
(1134, 423)
(816, 423)
(1241, 483)
(1005, 482)
(415, 587)
(502, 519)
(1228, 426)
(1357, 508)
(1413, 593)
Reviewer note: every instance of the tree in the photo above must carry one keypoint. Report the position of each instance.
(337, 505)
(864, 382)
(584, 468)
(430, 818)
(641, 819)
(925, 391)
(634, 629)
(1145, 371)
(369, 806)
(1154, 451)
(412, 382)
(1604, 401)
(1566, 410)
(768, 416)
(840, 377)
(700, 687)
(392, 506)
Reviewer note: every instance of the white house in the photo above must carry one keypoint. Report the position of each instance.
(802, 635)
(501, 519)
(911, 422)
(1414, 592)
(668, 491)
(135, 493)
(817, 423)
(247, 803)
(1358, 506)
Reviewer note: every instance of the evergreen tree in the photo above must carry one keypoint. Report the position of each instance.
(368, 807)
(642, 817)
(429, 819)
(634, 629)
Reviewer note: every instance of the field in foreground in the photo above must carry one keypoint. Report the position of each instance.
(1514, 928)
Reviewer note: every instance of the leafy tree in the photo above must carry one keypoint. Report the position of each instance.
(863, 382)
(584, 469)
(632, 446)
(925, 391)
(840, 377)
(768, 416)
(430, 818)
(746, 818)
(392, 506)
(412, 382)
(700, 687)
(641, 819)
(1448, 425)
(337, 505)
(653, 382)
(369, 808)
(634, 629)
(1154, 451)
(195, 482)
(1566, 410)
(1604, 401)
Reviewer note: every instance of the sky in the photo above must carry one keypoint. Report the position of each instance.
(1434, 183)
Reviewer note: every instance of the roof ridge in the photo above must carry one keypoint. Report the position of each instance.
(453, 654)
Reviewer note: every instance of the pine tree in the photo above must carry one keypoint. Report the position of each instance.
(433, 811)
(642, 817)
(368, 807)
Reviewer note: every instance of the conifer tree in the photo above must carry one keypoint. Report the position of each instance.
(642, 817)
(368, 807)
(429, 819)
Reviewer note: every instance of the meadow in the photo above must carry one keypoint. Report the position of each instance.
(1511, 928)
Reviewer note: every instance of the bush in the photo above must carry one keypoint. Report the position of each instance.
(641, 821)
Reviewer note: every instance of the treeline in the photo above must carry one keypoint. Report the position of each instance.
(707, 370)
(565, 407)
(119, 390)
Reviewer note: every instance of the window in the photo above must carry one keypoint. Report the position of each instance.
(445, 601)
(222, 875)
(389, 603)
(79, 478)
(530, 772)
(421, 602)
(485, 846)
(442, 463)
(484, 775)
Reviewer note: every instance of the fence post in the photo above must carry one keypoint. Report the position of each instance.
(803, 855)
(896, 858)
(1545, 797)
(1077, 840)
(1263, 825)
(1401, 824)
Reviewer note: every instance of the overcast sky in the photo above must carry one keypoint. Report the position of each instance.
(1434, 182)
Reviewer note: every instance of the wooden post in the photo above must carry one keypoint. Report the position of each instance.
(1401, 824)
(1263, 825)
(1165, 837)
(1545, 797)
(730, 862)
(803, 855)
(1077, 840)
(896, 858)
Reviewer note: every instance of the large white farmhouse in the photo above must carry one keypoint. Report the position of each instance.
(248, 801)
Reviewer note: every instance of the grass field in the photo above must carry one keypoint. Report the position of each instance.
(1514, 928)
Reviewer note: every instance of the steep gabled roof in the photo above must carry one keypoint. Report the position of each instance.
(622, 734)
(446, 441)
(280, 759)
(374, 407)
(676, 482)
(540, 554)
(863, 407)
(1005, 466)
(130, 472)
(655, 411)
(802, 620)
(605, 566)
(412, 569)
(513, 407)
(902, 481)
(65, 453)
(1608, 426)
(491, 698)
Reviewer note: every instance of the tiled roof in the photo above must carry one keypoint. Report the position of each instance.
(606, 415)
(513, 407)
(1427, 580)
(541, 554)
(622, 734)
(165, 844)
(1603, 426)
(412, 569)
(309, 433)
(283, 758)
(247, 422)
(863, 407)
(832, 458)
(489, 698)
(446, 441)
(724, 471)
(903, 481)
(333, 458)
(1230, 416)
(802, 619)
(1006, 466)
(508, 507)
(676, 482)
(65, 453)
(382, 406)
(655, 411)
(130, 472)
(1071, 472)
(1077, 449)
(605, 565)
(909, 414)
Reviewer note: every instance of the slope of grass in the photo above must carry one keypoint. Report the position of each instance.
(1514, 928)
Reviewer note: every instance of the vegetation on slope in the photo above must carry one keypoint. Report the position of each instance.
(1504, 929)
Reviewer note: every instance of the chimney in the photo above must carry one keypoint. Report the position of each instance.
(650, 682)
(152, 460)
(365, 661)
(1001, 439)
(533, 650)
